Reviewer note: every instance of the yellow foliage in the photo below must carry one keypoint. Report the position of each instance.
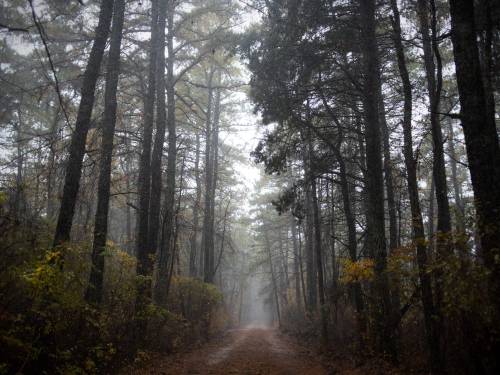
(361, 270)
(3, 198)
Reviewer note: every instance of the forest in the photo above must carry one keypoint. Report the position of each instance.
(249, 187)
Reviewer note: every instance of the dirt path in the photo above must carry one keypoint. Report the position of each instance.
(250, 351)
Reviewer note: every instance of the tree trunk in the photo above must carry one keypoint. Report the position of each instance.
(391, 205)
(215, 170)
(196, 216)
(296, 263)
(19, 199)
(457, 187)
(161, 119)
(416, 212)
(301, 268)
(175, 253)
(52, 168)
(484, 12)
(351, 242)
(79, 137)
(273, 277)
(94, 290)
(309, 239)
(375, 181)
(167, 232)
(143, 252)
(389, 185)
(319, 262)
(434, 84)
(207, 239)
(481, 138)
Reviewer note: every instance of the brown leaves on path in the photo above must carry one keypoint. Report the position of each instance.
(249, 351)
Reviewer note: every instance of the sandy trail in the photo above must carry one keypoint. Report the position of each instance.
(249, 351)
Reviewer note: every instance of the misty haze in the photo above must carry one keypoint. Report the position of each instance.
(249, 187)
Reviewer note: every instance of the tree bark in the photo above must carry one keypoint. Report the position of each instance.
(82, 125)
(309, 238)
(161, 120)
(351, 241)
(416, 212)
(388, 178)
(319, 262)
(94, 292)
(164, 252)
(143, 252)
(215, 169)
(457, 187)
(296, 263)
(434, 84)
(52, 168)
(273, 277)
(196, 216)
(207, 239)
(481, 138)
(375, 182)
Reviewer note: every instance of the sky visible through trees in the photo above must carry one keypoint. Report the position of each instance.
(213, 186)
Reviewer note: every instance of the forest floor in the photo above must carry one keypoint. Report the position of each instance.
(254, 351)
(248, 351)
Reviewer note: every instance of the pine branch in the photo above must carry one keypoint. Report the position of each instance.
(12, 29)
(43, 36)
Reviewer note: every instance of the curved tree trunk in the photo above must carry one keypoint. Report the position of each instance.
(94, 290)
(79, 137)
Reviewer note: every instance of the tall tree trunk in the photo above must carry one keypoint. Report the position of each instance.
(207, 240)
(19, 199)
(215, 171)
(416, 212)
(389, 184)
(128, 214)
(484, 12)
(333, 249)
(481, 138)
(457, 187)
(161, 120)
(309, 239)
(175, 253)
(52, 168)
(79, 137)
(273, 277)
(296, 263)
(167, 232)
(94, 290)
(391, 203)
(483, 152)
(143, 252)
(319, 261)
(301, 268)
(351, 241)
(196, 216)
(431, 214)
(375, 181)
(434, 84)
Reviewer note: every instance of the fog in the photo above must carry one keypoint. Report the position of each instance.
(257, 308)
